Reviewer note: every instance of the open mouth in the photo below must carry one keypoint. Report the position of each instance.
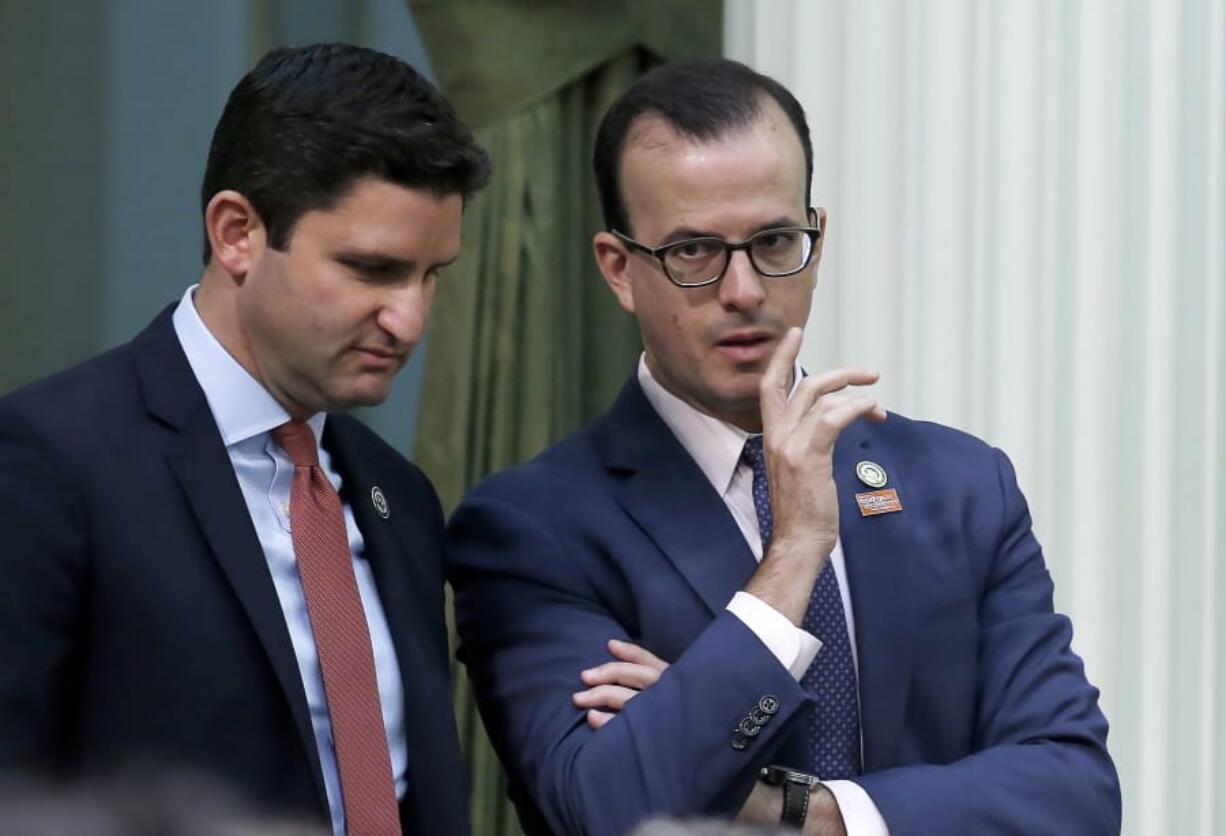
(747, 338)
(746, 346)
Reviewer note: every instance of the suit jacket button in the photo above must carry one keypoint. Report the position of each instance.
(769, 704)
(739, 741)
(759, 716)
(749, 728)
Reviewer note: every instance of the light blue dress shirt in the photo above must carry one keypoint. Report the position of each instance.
(245, 414)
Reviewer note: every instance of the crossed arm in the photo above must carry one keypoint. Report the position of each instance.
(670, 751)
(531, 624)
(1039, 762)
(609, 686)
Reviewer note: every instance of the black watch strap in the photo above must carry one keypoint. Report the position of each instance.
(796, 788)
(795, 804)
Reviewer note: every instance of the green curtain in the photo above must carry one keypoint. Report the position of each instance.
(493, 58)
(526, 341)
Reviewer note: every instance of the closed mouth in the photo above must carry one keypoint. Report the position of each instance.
(381, 354)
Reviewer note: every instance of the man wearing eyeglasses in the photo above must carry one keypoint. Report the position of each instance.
(747, 592)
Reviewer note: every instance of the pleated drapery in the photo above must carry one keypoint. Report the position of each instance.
(526, 341)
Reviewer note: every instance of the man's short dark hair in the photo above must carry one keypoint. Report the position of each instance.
(307, 122)
(702, 99)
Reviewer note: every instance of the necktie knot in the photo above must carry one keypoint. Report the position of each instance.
(754, 455)
(298, 442)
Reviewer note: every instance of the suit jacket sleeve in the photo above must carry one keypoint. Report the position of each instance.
(43, 559)
(530, 621)
(1040, 763)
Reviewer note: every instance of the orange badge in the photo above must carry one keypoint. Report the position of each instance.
(878, 502)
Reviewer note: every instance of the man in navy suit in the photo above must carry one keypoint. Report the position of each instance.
(207, 566)
(749, 592)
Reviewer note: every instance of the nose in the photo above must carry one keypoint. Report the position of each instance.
(406, 311)
(741, 287)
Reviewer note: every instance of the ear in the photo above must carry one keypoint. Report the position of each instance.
(817, 217)
(613, 259)
(236, 233)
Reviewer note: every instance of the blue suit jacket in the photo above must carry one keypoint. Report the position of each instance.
(977, 717)
(138, 619)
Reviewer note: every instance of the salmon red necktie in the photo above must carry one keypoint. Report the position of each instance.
(342, 639)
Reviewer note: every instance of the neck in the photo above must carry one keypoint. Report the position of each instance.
(748, 419)
(216, 301)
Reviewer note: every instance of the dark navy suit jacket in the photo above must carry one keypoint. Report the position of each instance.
(138, 619)
(977, 717)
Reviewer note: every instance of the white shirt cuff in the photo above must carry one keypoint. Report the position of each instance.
(860, 815)
(792, 646)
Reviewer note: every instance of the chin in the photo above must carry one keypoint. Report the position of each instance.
(370, 398)
(741, 392)
(358, 396)
(733, 405)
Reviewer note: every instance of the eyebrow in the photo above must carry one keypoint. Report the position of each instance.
(373, 261)
(684, 232)
(384, 263)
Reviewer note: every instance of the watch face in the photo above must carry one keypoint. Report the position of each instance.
(778, 775)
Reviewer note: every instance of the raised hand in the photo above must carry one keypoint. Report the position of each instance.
(798, 436)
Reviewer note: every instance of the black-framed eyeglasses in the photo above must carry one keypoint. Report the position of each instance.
(696, 262)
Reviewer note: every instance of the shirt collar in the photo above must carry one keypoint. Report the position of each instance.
(241, 406)
(714, 445)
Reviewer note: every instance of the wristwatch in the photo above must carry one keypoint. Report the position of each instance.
(796, 788)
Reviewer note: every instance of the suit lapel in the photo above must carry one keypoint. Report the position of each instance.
(877, 552)
(199, 462)
(669, 497)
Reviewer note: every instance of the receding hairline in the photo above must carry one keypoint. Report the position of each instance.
(653, 128)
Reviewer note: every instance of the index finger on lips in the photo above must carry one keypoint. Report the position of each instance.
(773, 390)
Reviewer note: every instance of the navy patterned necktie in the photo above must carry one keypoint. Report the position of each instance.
(834, 723)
